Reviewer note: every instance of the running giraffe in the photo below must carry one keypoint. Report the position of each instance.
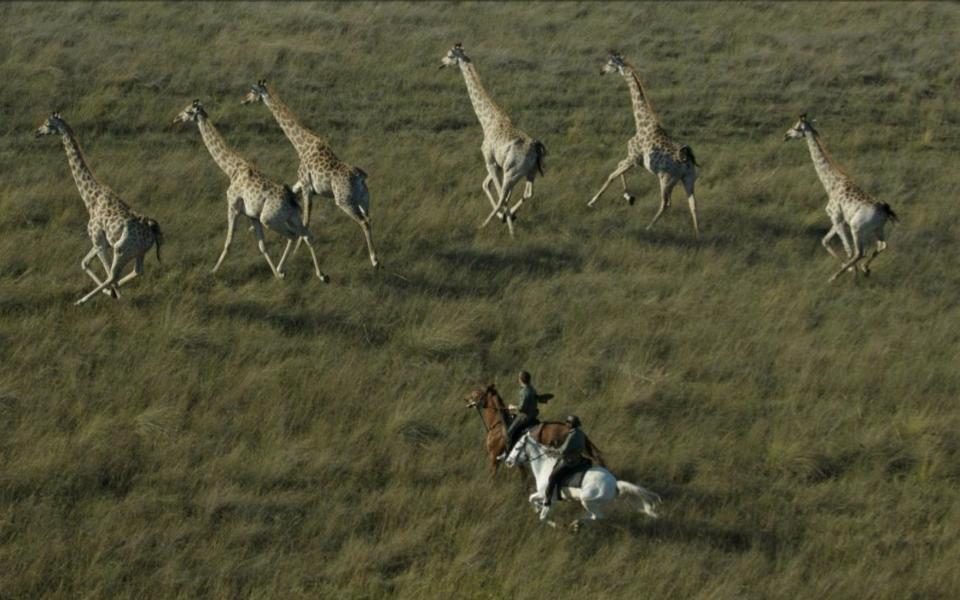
(112, 224)
(320, 172)
(652, 147)
(510, 154)
(847, 204)
(263, 201)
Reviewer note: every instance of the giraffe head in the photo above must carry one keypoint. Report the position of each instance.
(801, 129)
(257, 93)
(614, 62)
(53, 125)
(193, 112)
(454, 56)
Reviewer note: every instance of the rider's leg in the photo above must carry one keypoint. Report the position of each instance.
(513, 433)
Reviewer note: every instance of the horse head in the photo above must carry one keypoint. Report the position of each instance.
(485, 397)
(519, 455)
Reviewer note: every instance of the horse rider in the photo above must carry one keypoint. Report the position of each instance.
(571, 460)
(527, 412)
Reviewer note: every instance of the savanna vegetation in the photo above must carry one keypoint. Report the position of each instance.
(239, 436)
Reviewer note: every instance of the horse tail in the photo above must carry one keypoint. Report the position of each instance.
(541, 154)
(157, 234)
(595, 454)
(888, 212)
(686, 154)
(649, 499)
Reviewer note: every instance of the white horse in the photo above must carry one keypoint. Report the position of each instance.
(599, 486)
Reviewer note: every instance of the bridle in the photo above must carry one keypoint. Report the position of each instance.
(527, 439)
(476, 404)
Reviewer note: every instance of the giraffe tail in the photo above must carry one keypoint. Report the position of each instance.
(157, 235)
(888, 212)
(686, 154)
(541, 155)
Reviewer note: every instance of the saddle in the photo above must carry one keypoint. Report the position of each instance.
(575, 479)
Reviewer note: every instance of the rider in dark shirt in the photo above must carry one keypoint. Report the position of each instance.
(571, 459)
(527, 412)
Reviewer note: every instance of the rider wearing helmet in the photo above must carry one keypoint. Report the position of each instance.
(527, 412)
(571, 459)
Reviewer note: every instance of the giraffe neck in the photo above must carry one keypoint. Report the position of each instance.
(828, 170)
(87, 184)
(225, 157)
(643, 112)
(299, 136)
(488, 113)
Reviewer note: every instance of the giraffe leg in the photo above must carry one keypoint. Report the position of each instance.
(231, 227)
(666, 187)
(137, 270)
(494, 177)
(857, 255)
(527, 194)
(283, 257)
(486, 189)
(102, 255)
(306, 197)
(509, 180)
(262, 245)
(85, 265)
(688, 183)
(826, 241)
(316, 265)
(880, 247)
(624, 166)
(114, 275)
(842, 234)
(630, 198)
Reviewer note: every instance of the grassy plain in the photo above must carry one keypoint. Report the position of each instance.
(236, 436)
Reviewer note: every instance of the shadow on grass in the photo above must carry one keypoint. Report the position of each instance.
(297, 322)
(537, 261)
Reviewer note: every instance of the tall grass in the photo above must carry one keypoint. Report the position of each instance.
(237, 436)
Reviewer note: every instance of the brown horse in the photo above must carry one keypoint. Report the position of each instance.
(493, 412)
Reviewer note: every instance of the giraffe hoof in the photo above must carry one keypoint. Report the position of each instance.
(324, 279)
(630, 198)
(281, 274)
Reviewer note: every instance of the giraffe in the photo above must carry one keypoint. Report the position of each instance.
(509, 154)
(112, 224)
(652, 147)
(263, 201)
(847, 205)
(320, 171)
